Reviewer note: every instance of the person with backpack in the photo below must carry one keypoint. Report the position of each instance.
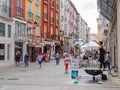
(26, 60)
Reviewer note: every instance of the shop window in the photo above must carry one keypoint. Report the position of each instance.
(2, 51)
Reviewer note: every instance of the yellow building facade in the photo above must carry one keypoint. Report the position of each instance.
(33, 30)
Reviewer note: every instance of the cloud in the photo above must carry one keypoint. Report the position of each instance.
(88, 11)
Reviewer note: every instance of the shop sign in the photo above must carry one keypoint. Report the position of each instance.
(38, 45)
(47, 42)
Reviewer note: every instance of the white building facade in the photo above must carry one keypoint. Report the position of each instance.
(6, 33)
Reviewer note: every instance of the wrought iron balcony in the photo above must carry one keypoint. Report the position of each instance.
(5, 11)
(37, 36)
(20, 12)
(30, 16)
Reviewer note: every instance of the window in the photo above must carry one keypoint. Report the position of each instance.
(29, 29)
(23, 27)
(37, 2)
(4, 2)
(2, 51)
(8, 51)
(9, 30)
(37, 11)
(19, 29)
(52, 3)
(19, 2)
(37, 32)
(29, 7)
(2, 29)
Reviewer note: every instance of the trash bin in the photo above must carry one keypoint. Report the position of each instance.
(74, 74)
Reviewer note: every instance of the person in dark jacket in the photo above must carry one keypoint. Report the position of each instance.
(26, 60)
(101, 55)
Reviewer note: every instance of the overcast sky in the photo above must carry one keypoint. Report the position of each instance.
(88, 11)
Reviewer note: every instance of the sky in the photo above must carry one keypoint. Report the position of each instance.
(88, 11)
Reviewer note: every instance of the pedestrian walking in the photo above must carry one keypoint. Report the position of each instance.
(26, 60)
(57, 57)
(17, 58)
(39, 58)
(66, 62)
(101, 55)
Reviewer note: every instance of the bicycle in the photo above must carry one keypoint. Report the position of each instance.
(113, 70)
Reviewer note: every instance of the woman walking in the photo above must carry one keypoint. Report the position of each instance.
(39, 58)
(57, 57)
(66, 62)
(17, 58)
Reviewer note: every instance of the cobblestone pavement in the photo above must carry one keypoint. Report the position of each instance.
(50, 77)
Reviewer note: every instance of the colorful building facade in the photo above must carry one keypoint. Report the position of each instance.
(51, 26)
(33, 30)
(19, 26)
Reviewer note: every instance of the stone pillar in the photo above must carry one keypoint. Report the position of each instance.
(118, 34)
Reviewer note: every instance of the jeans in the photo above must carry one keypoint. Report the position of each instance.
(26, 63)
(57, 61)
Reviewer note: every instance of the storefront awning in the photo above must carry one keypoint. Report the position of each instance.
(106, 8)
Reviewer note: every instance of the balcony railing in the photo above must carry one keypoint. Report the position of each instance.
(20, 12)
(37, 36)
(5, 11)
(30, 16)
(30, 36)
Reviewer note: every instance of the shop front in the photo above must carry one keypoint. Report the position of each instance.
(48, 49)
(38, 50)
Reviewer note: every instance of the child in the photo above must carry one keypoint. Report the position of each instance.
(66, 63)
(26, 60)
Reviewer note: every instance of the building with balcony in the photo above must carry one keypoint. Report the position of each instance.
(19, 26)
(6, 33)
(64, 24)
(51, 25)
(33, 30)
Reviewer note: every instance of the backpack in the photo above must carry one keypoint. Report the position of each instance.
(104, 76)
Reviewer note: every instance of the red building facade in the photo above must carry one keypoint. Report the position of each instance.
(51, 25)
